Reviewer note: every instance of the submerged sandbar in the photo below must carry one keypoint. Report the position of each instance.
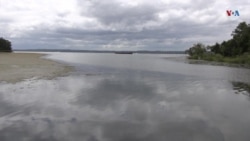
(15, 67)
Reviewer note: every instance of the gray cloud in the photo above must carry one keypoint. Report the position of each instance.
(113, 13)
(119, 25)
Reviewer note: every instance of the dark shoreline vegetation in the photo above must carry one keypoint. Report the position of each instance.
(5, 45)
(241, 87)
(233, 51)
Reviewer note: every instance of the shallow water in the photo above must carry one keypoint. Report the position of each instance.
(113, 97)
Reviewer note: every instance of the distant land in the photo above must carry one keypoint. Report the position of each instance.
(101, 51)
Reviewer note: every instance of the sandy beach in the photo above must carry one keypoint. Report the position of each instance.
(15, 67)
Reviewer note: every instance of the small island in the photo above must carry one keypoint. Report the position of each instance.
(233, 51)
(123, 52)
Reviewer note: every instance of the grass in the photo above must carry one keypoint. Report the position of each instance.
(241, 59)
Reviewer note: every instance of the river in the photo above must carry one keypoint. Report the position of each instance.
(121, 97)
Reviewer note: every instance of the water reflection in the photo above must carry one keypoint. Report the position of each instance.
(109, 92)
(119, 104)
(241, 88)
(6, 108)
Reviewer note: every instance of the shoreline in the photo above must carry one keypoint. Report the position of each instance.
(16, 67)
(216, 63)
(185, 59)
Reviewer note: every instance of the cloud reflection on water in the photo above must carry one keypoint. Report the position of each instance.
(135, 106)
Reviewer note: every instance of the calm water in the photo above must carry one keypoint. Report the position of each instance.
(113, 97)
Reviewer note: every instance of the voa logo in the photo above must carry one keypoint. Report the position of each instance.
(232, 13)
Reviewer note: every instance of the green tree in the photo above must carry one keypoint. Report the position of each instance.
(197, 51)
(5, 45)
(229, 48)
(238, 45)
(235, 50)
(216, 48)
(241, 36)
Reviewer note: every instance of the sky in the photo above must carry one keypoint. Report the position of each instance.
(119, 24)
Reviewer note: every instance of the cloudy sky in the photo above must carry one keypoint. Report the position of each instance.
(118, 24)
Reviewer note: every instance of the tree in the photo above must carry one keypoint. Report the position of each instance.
(236, 49)
(229, 48)
(197, 51)
(216, 48)
(241, 35)
(5, 45)
(238, 45)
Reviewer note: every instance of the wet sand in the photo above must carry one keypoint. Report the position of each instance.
(15, 67)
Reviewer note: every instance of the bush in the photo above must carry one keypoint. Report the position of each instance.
(219, 58)
(196, 51)
(213, 57)
(5, 45)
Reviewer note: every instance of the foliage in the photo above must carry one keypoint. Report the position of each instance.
(216, 48)
(197, 51)
(238, 45)
(5, 45)
(235, 50)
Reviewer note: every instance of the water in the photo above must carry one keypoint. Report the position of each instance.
(113, 97)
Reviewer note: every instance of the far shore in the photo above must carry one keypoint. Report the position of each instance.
(15, 67)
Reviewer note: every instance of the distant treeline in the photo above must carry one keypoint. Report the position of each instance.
(102, 51)
(235, 50)
(5, 45)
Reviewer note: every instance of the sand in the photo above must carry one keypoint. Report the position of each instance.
(15, 67)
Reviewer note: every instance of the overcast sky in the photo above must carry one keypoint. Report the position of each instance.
(118, 24)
